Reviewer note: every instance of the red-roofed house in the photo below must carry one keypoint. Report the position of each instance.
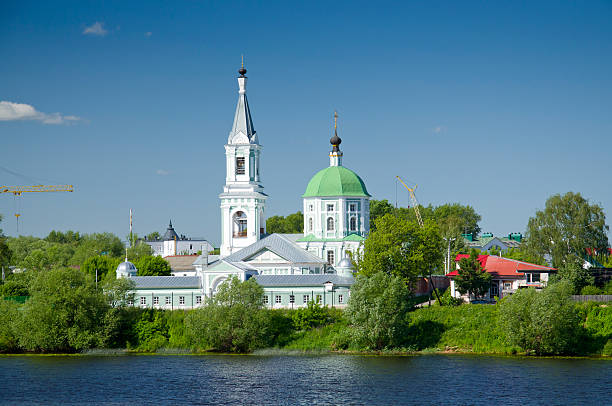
(507, 275)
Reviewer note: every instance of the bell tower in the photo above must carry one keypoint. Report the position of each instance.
(243, 200)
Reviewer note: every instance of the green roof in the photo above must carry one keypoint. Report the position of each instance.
(336, 181)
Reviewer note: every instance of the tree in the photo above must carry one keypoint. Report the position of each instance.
(119, 292)
(154, 236)
(379, 208)
(574, 274)
(97, 244)
(472, 278)
(522, 254)
(401, 248)
(232, 321)
(14, 287)
(293, 223)
(566, 227)
(69, 237)
(5, 252)
(544, 322)
(153, 266)
(379, 311)
(139, 250)
(455, 219)
(103, 264)
(64, 313)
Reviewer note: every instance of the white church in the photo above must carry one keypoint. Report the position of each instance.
(293, 269)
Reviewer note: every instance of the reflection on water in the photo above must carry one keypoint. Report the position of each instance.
(304, 380)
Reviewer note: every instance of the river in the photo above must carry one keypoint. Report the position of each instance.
(303, 380)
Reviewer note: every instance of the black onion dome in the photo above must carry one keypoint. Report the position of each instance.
(335, 141)
(242, 71)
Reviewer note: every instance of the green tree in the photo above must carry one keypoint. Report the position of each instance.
(119, 292)
(232, 321)
(64, 313)
(574, 274)
(9, 316)
(69, 237)
(522, 254)
(14, 287)
(102, 264)
(154, 236)
(566, 227)
(292, 224)
(97, 244)
(379, 208)
(455, 218)
(139, 250)
(401, 248)
(544, 322)
(379, 311)
(5, 252)
(153, 266)
(472, 278)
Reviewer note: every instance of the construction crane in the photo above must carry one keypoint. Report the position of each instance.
(18, 190)
(413, 200)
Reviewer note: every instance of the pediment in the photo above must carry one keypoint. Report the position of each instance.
(240, 138)
(266, 256)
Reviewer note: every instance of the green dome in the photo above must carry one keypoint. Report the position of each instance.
(336, 181)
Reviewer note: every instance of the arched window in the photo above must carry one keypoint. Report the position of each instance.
(330, 224)
(353, 223)
(310, 224)
(240, 224)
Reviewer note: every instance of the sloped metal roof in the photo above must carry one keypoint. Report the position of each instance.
(303, 280)
(281, 246)
(166, 282)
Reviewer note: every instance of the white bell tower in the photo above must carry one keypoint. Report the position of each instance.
(242, 201)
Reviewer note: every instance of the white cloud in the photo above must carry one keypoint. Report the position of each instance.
(162, 172)
(148, 34)
(96, 28)
(439, 129)
(10, 111)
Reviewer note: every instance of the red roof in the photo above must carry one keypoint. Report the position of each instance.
(503, 267)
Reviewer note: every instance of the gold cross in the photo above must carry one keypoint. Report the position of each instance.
(335, 120)
(242, 56)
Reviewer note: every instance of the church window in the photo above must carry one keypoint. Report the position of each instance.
(353, 223)
(330, 207)
(143, 300)
(330, 257)
(310, 224)
(311, 208)
(330, 224)
(352, 207)
(181, 300)
(240, 165)
(291, 299)
(340, 299)
(240, 224)
(277, 299)
(198, 299)
(130, 302)
(155, 300)
(265, 299)
(168, 300)
(306, 298)
(319, 299)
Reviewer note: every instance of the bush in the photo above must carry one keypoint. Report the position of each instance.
(447, 300)
(378, 311)
(544, 322)
(14, 287)
(9, 314)
(311, 316)
(590, 290)
(232, 321)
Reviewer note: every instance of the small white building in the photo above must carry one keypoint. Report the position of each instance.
(172, 244)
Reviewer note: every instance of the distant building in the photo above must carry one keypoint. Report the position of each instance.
(488, 241)
(507, 276)
(173, 244)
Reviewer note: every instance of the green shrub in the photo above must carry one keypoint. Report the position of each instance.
(607, 350)
(544, 322)
(314, 315)
(447, 300)
(9, 314)
(232, 321)
(590, 290)
(378, 311)
(607, 288)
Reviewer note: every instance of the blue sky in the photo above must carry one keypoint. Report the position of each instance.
(494, 104)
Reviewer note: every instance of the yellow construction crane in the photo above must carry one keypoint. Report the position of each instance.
(415, 203)
(18, 190)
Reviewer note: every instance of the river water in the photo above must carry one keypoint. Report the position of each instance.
(303, 380)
